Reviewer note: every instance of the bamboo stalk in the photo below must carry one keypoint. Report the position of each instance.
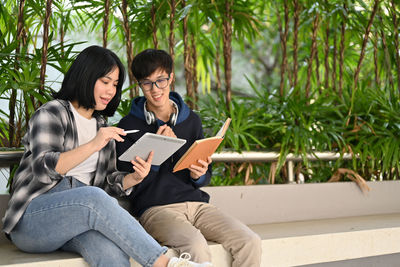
(317, 65)
(172, 37)
(129, 48)
(295, 40)
(62, 36)
(20, 25)
(186, 58)
(387, 57)
(227, 47)
(364, 44)
(217, 67)
(327, 33)
(341, 49)
(334, 60)
(362, 54)
(18, 134)
(194, 71)
(21, 37)
(313, 49)
(386, 51)
(106, 21)
(396, 42)
(375, 43)
(154, 25)
(13, 96)
(283, 38)
(43, 62)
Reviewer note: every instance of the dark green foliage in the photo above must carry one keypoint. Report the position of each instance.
(272, 111)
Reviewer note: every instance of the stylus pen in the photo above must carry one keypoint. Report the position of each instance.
(131, 131)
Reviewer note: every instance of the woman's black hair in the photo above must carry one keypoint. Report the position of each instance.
(150, 60)
(91, 64)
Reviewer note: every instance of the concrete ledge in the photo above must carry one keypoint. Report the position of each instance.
(389, 260)
(284, 244)
(329, 240)
(12, 256)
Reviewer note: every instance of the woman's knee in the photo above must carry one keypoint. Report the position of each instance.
(93, 192)
(97, 196)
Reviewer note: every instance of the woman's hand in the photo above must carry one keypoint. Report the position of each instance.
(105, 134)
(166, 131)
(197, 171)
(142, 169)
(72, 158)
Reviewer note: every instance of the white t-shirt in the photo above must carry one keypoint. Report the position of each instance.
(87, 130)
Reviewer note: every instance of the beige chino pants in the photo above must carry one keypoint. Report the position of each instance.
(187, 226)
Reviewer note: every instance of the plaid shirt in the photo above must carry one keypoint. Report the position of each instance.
(52, 131)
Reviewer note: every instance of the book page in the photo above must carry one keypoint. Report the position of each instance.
(224, 127)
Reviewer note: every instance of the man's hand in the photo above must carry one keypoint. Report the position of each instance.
(197, 171)
(166, 131)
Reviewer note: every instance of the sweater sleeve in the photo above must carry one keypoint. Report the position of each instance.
(115, 178)
(46, 139)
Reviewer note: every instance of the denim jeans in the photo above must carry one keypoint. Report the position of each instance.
(86, 220)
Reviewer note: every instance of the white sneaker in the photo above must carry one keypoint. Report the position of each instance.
(183, 261)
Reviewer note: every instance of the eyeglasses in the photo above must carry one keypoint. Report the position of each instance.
(148, 85)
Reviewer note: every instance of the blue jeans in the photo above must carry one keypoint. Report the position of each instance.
(86, 220)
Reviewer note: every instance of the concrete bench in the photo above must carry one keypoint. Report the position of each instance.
(300, 224)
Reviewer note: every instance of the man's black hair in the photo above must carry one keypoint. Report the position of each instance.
(150, 60)
(91, 64)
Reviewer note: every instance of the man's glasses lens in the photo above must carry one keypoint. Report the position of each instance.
(160, 83)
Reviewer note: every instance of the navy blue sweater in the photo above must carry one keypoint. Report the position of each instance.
(162, 186)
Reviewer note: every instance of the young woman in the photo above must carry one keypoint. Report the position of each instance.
(58, 198)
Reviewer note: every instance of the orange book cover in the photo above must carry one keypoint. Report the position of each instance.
(201, 149)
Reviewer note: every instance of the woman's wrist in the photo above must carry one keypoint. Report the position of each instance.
(130, 180)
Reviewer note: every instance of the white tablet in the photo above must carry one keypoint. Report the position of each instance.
(163, 147)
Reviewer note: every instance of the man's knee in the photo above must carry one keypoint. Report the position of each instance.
(254, 240)
(251, 244)
(197, 242)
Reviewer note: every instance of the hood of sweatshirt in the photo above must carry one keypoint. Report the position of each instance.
(137, 108)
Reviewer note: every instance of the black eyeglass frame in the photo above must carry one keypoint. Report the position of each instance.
(154, 83)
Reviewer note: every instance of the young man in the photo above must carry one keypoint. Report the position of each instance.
(171, 206)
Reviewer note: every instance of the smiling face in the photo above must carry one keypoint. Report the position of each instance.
(105, 89)
(157, 98)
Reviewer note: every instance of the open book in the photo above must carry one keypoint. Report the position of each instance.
(201, 149)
